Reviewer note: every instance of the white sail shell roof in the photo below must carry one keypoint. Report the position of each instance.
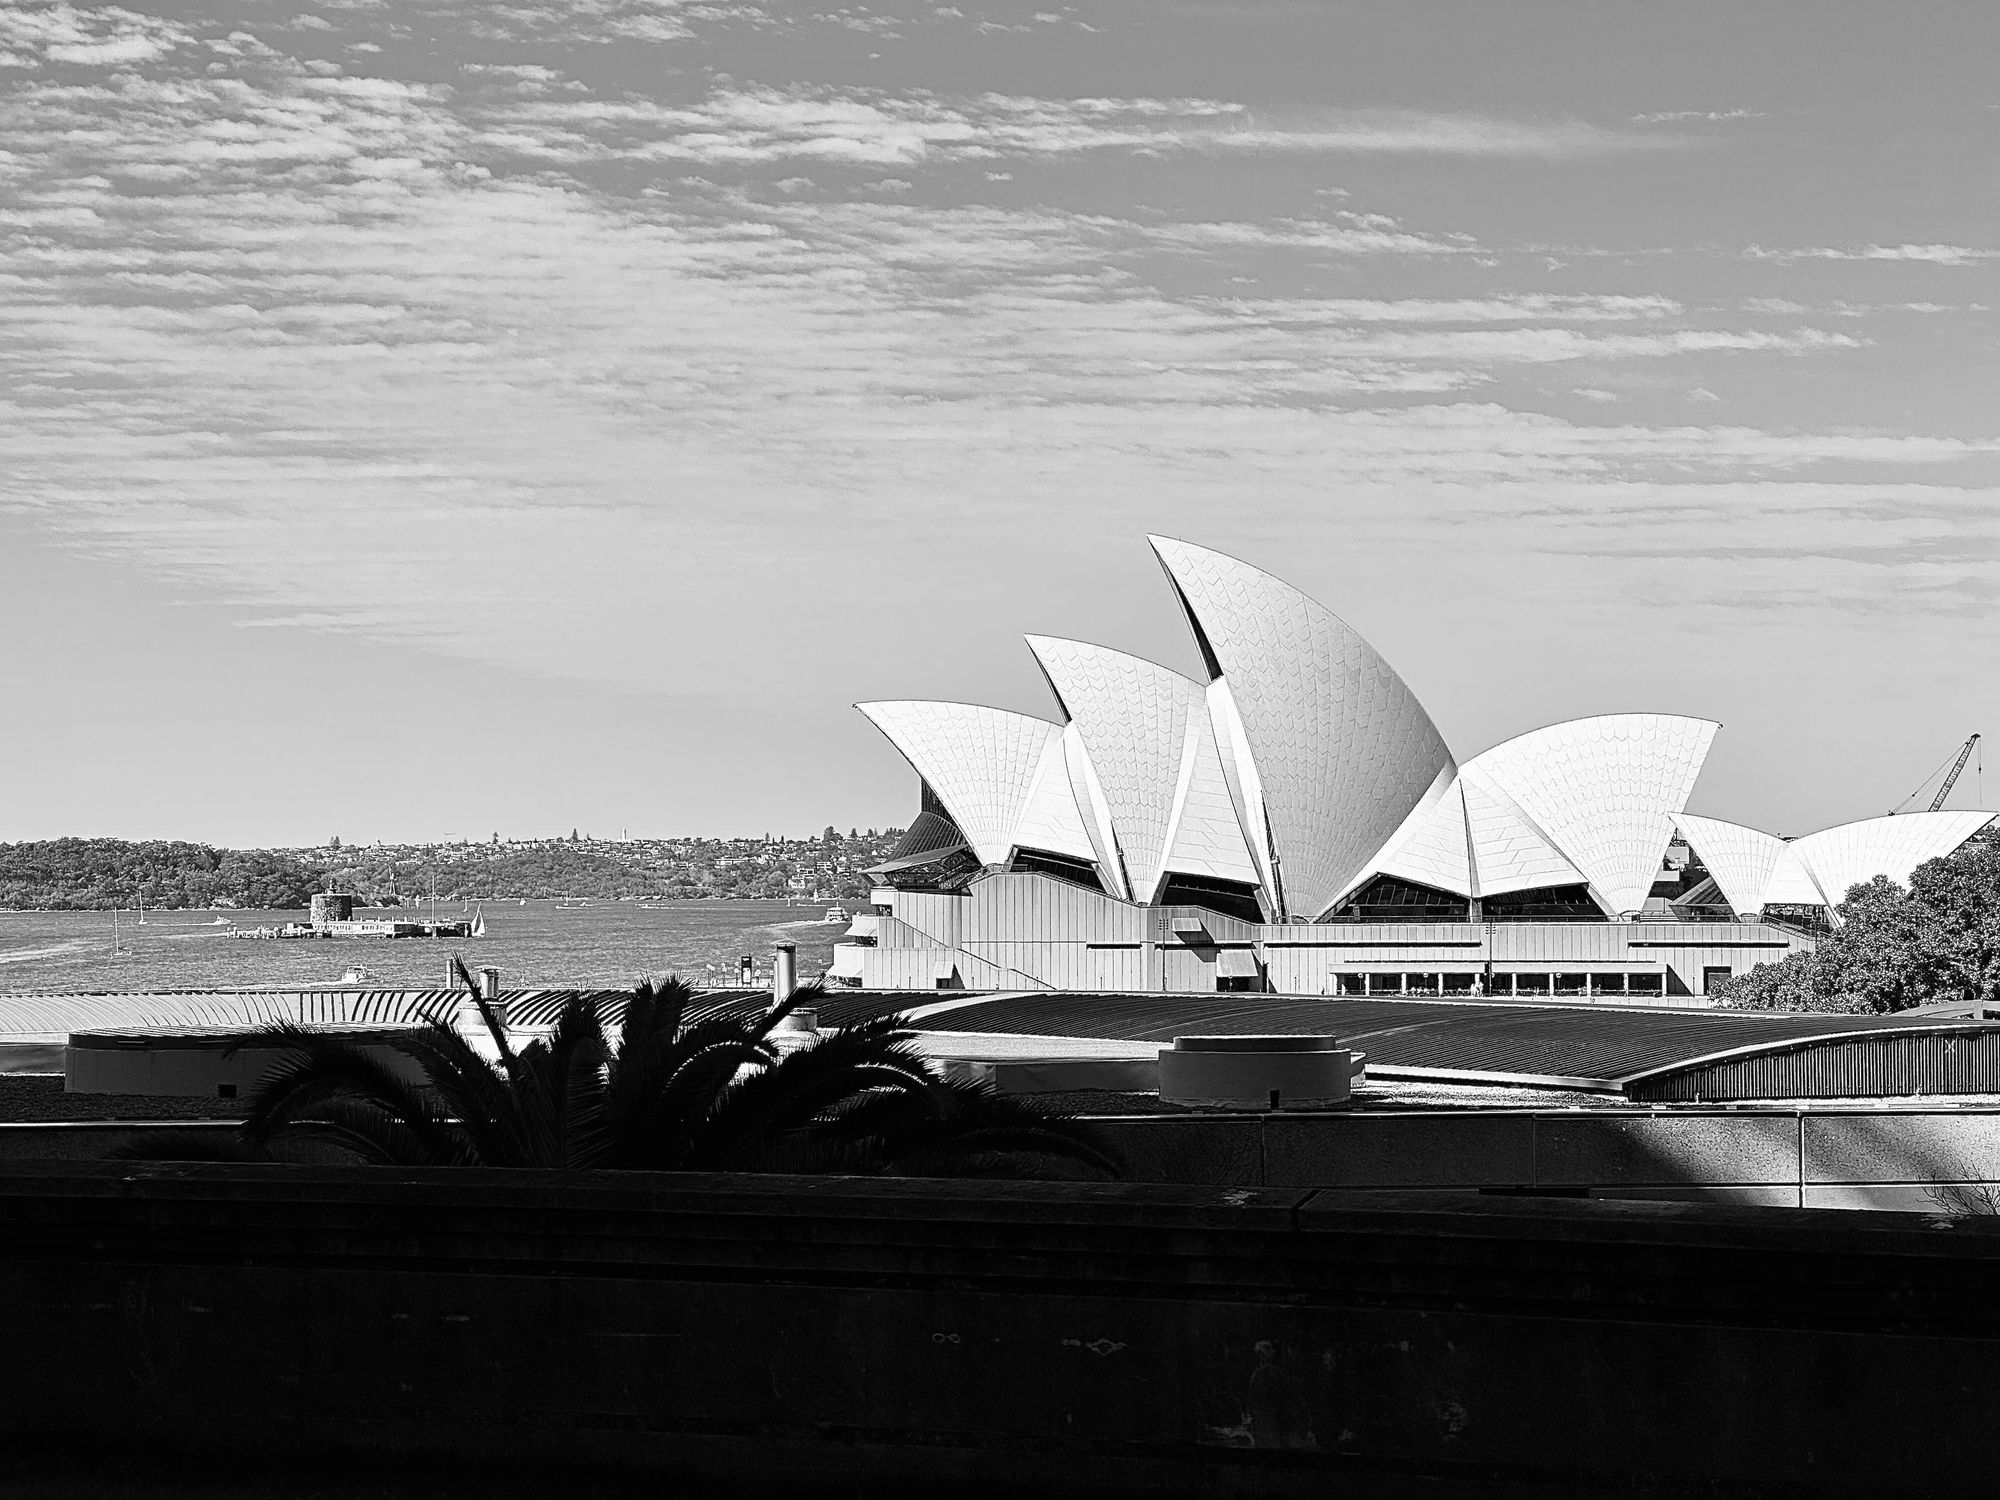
(1852, 853)
(1474, 841)
(1343, 749)
(1432, 849)
(1050, 819)
(981, 762)
(1205, 837)
(1603, 791)
(1146, 735)
(1741, 860)
(1791, 884)
(1509, 853)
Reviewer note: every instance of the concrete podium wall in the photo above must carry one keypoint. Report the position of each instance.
(841, 1334)
(1915, 1159)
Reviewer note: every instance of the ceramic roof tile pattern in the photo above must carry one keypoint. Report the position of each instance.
(1049, 819)
(1433, 852)
(1741, 859)
(1342, 746)
(1239, 777)
(1855, 852)
(1508, 852)
(1096, 813)
(980, 761)
(1603, 790)
(1791, 883)
(1133, 716)
(1206, 837)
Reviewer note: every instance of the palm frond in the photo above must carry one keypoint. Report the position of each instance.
(487, 1013)
(315, 1067)
(472, 1089)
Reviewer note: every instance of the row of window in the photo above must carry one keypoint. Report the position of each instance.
(1541, 982)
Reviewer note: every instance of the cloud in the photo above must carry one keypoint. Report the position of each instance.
(106, 37)
(1702, 116)
(321, 347)
(746, 125)
(1940, 255)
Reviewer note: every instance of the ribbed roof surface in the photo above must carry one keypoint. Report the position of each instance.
(1050, 819)
(1741, 859)
(1603, 791)
(1342, 746)
(1855, 852)
(1146, 732)
(1584, 1045)
(980, 761)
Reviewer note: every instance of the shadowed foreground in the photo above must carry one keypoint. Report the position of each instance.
(826, 1335)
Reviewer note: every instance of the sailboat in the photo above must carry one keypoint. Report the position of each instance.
(479, 921)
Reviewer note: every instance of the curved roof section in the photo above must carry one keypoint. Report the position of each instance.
(1508, 852)
(981, 763)
(1206, 837)
(1851, 853)
(1343, 749)
(1133, 717)
(1049, 818)
(1145, 731)
(1791, 883)
(1435, 850)
(1740, 859)
(1603, 791)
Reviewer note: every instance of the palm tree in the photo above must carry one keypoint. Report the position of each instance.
(682, 1090)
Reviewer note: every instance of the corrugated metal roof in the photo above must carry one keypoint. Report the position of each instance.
(1591, 1046)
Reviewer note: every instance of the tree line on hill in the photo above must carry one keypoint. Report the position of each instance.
(103, 874)
(75, 874)
(1938, 942)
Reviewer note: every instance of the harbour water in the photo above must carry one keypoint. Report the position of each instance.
(541, 944)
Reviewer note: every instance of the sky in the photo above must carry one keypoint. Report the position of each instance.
(427, 420)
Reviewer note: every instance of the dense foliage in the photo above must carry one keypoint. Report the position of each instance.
(1936, 943)
(98, 874)
(680, 1090)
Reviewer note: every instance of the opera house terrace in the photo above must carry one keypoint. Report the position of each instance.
(1296, 823)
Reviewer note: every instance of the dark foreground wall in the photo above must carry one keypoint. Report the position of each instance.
(787, 1333)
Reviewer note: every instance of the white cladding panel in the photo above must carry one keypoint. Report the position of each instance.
(1856, 852)
(1095, 811)
(1791, 883)
(1133, 716)
(1603, 790)
(980, 761)
(1050, 819)
(1433, 849)
(1239, 775)
(1341, 746)
(1741, 859)
(1206, 838)
(1508, 853)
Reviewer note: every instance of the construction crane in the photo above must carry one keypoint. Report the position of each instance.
(1950, 780)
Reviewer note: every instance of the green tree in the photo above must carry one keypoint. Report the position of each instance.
(1936, 943)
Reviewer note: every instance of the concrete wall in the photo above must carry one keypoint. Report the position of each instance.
(1065, 937)
(829, 1334)
(1927, 1160)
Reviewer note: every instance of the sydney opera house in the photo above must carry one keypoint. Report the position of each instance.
(1297, 823)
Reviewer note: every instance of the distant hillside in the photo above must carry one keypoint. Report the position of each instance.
(100, 874)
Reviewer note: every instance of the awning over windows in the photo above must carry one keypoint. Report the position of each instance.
(1237, 963)
(846, 961)
(944, 968)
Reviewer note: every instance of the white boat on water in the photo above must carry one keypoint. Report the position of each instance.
(836, 914)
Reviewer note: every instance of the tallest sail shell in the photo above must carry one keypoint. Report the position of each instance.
(1343, 749)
